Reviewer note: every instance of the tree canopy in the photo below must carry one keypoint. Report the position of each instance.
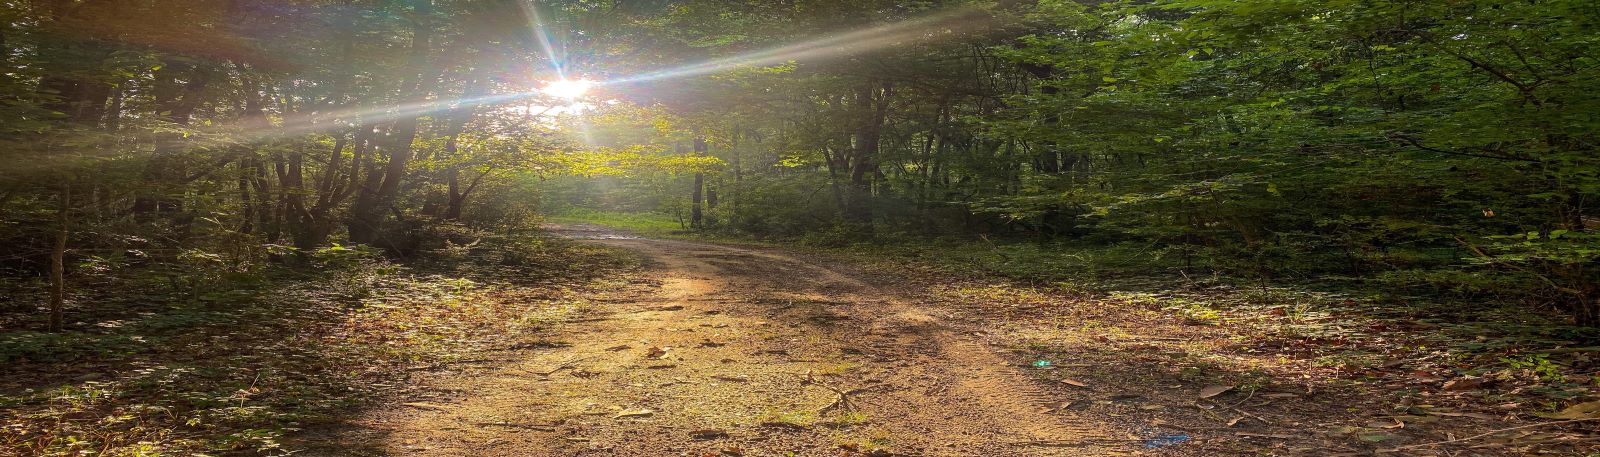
(1444, 147)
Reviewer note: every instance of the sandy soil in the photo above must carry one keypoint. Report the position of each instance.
(726, 351)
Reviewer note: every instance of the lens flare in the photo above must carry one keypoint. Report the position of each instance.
(926, 29)
(570, 89)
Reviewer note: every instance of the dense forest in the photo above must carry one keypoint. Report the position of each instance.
(1439, 148)
(166, 152)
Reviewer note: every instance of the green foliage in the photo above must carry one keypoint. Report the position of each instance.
(1415, 145)
(644, 223)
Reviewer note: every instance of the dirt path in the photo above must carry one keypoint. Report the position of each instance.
(727, 351)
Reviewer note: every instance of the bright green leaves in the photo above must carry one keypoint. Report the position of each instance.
(717, 41)
(638, 160)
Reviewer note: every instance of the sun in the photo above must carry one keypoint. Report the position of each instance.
(570, 89)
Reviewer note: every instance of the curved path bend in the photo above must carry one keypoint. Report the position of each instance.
(726, 351)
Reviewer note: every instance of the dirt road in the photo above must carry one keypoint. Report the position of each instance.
(720, 350)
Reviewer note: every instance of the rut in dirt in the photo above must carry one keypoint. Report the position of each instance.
(716, 350)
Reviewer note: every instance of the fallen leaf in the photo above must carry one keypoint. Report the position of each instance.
(427, 406)
(1212, 391)
(1073, 382)
(1375, 437)
(1408, 419)
(1060, 406)
(1345, 430)
(1386, 425)
(1587, 410)
(1424, 376)
(1460, 384)
(1263, 435)
(655, 352)
(1458, 414)
(631, 413)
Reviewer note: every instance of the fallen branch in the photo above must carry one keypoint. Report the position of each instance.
(1488, 433)
(1251, 415)
(844, 395)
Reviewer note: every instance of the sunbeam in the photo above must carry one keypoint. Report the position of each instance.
(542, 34)
(846, 44)
(368, 115)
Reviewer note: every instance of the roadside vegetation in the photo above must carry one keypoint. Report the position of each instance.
(225, 220)
(237, 368)
(1339, 362)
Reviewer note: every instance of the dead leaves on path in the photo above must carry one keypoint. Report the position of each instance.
(1212, 391)
(426, 406)
(1587, 410)
(656, 352)
(708, 434)
(634, 414)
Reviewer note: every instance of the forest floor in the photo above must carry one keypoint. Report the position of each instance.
(721, 350)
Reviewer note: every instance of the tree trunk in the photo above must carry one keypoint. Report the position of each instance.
(367, 215)
(458, 120)
(873, 102)
(176, 103)
(247, 215)
(458, 200)
(58, 254)
(695, 213)
(711, 193)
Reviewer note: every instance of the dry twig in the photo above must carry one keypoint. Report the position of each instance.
(1488, 433)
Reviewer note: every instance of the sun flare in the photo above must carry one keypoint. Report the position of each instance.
(570, 89)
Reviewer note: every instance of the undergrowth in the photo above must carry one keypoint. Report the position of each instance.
(236, 370)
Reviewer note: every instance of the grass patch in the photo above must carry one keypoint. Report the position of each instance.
(642, 223)
(849, 419)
